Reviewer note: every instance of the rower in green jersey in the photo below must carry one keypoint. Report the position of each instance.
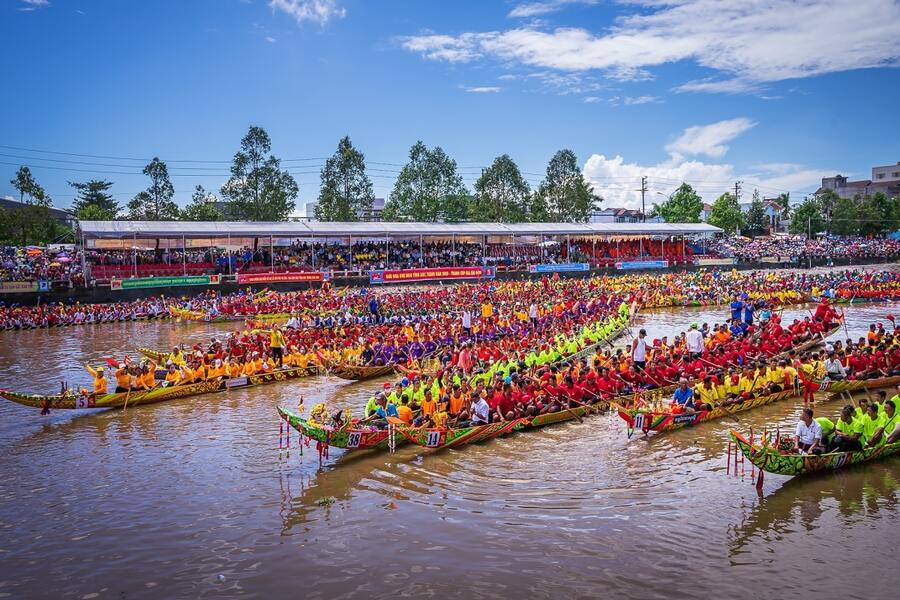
(848, 431)
(885, 425)
(827, 426)
(870, 423)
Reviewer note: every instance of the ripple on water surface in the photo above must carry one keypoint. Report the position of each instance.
(193, 499)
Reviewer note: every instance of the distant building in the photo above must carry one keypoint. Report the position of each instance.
(620, 215)
(706, 212)
(774, 213)
(884, 179)
(373, 214)
(64, 217)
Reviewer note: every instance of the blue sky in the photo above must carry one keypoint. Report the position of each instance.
(774, 93)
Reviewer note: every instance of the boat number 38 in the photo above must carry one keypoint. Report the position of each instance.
(353, 439)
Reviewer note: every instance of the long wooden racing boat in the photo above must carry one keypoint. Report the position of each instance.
(203, 316)
(444, 437)
(73, 400)
(360, 373)
(659, 421)
(768, 458)
(836, 389)
(350, 437)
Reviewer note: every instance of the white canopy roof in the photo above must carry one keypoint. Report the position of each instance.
(204, 229)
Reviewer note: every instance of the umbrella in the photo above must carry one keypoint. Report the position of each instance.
(63, 259)
(55, 264)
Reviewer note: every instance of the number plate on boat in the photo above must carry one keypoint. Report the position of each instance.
(434, 439)
(353, 439)
(639, 421)
(236, 382)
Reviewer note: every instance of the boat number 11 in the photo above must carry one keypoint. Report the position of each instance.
(353, 440)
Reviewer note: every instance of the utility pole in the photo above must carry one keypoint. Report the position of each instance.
(643, 192)
(737, 190)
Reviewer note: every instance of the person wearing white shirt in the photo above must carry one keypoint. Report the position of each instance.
(467, 320)
(834, 368)
(694, 341)
(533, 314)
(808, 437)
(481, 411)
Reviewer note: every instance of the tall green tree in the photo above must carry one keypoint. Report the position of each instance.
(259, 190)
(874, 214)
(346, 190)
(155, 203)
(426, 186)
(32, 224)
(827, 202)
(501, 193)
(94, 193)
(202, 207)
(756, 222)
(844, 217)
(30, 191)
(683, 206)
(564, 195)
(784, 201)
(807, 218)
(726, 213)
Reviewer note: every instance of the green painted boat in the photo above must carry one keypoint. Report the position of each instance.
(350, 437)
(769, 459)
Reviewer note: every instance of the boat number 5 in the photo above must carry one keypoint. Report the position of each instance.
(434, 439)
(82, 402)
(353, 440)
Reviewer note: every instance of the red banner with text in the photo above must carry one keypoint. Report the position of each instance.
(433, 274)
(281, 277)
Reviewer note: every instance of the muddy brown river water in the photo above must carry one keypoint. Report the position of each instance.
(192, 499)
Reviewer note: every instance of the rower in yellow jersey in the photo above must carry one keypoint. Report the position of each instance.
(99, 379)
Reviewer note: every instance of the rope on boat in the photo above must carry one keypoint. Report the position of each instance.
(392, 438)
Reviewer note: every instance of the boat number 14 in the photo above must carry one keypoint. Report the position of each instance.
(434, 439)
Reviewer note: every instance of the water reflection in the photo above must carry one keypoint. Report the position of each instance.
(193, 499)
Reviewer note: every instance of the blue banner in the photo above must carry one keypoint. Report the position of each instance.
(562, 267)
(642, 264)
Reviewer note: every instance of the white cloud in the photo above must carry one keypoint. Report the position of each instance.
(747, 43)
(535, 9)
(635, 100)
(318, 11)
(618, 181)
(270, 39)
(592, 99)
(486, 89)
(709, 139)
(31, 5)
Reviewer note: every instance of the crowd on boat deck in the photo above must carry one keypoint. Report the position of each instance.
(799, 247)
(867, 424)
(327, 307)
(711, 366)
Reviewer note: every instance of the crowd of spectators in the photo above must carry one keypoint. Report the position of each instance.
(360, 257)
(33, 264)
(797, 248)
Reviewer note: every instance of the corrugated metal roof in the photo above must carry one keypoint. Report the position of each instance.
(155, 229)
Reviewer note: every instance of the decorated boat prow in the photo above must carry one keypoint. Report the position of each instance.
(767, 457)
